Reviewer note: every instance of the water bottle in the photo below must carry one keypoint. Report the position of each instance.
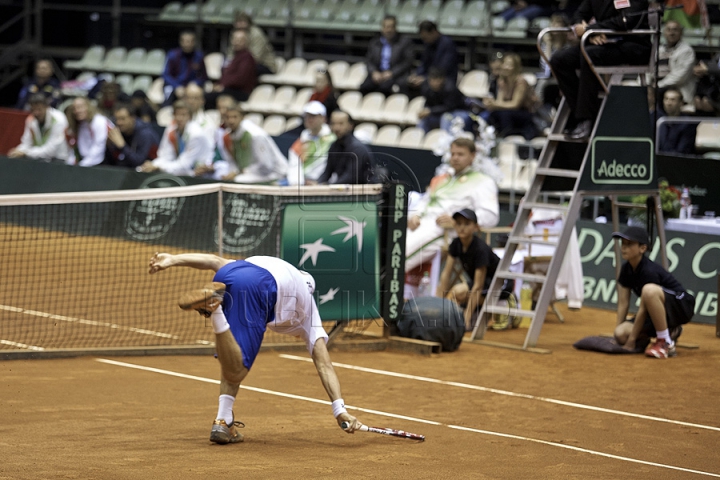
(424, 287)
(685, 204)
(526, 294)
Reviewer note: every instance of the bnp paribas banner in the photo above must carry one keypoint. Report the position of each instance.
(337, 243)
(693, 259)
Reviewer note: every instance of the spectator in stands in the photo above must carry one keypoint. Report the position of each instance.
(183, 146)
(440, 52)
(307, 157)
(110, 95)
(144, 108)
(443, 103)
(582, 94)
(260, 48)
(389, 60)
(349, 161)
(183, 66)
(707, 92)
(239, 75)
(494, 67)
(324, 91)
(86, 134)
(43, 82)
(195, 100)
(44, 135)
(530, 9)
(224, 102)
(131, 141)
(462, 187)
(244, 153)
(512, 111)
(675, 63)
(675, 137)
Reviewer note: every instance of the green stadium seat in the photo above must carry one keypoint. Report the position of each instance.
(451, 17)
(515, 28)
(189, 13)
(125, 81)
(476, 20)
(345, 14)
(540, 23)
(408, 16)
(431, 11)
(142, 83)
(499, 6)
(134, 61)
(224, 14)
(114, 57)
(92, 59)
(368, 16)
(272, 13)
(171, 12)
(154, 62)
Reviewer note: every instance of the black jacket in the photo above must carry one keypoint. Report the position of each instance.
(608, 17)
(350, 159)
(441, 54)
(139, 146)
(446, 100)
(401, 56)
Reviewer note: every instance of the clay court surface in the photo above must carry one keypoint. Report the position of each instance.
(83, 418)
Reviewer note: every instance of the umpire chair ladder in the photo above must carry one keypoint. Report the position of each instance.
(560, 169)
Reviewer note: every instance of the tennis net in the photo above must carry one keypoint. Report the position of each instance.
(75, 265)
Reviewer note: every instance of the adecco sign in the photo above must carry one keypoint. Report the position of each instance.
(622, 161)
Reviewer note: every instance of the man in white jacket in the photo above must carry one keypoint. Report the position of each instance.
(244, 153)
(44, 135)
(308, 154)
(184, 146)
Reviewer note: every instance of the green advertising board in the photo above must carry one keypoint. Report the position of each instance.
(337, 243)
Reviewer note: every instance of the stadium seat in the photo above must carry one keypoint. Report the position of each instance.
(155, 93)
(213, 65)
(301, 98)
(540, 23)
(260, 99)
(313, 67)
(274, 125)
(530, 78)
(221, 13)
(345, 14)
(209, 12)
(273, 13)
(293, 122)
(451, 16)
(371, 108)
(708, 135)
(154, 62)
(92, 59)
(499, 6)
(355, 76)
(125, 81)
(338, 70)
(431, 10)
(350, 102)
(164, 116)
(516, 28)
(255, 118)
(411, 138)
(282, 99)
(189, 13)
(475, 19)
(368, 15)
(273, 77)
(114, 57)
(321, 15)
(134, 61)
(475, 84)
(142, 83)
(408, 16)
(293, 73)
(413, 108)
(171, 12)
(85, 76)
(498, 25)
(395, 109)
(365, 132)
(389, 136)
(432, 138)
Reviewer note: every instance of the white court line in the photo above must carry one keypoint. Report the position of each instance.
(508, 393)
(86, 322)
(21, 345)
(412, 419)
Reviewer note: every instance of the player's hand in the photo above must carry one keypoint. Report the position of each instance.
(160, 261)
(413, 222)
(353, 422)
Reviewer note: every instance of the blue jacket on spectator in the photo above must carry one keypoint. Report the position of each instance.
(182, 68)
(140, 146)
(441, 54)
(51, 89)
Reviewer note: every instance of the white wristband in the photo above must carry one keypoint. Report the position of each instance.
(338, 407)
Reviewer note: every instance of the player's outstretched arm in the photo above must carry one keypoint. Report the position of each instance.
(200, 261)
(329, 379)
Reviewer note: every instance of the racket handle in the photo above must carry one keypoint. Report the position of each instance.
(346, 425)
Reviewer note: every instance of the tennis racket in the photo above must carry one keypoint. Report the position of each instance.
(387, 431)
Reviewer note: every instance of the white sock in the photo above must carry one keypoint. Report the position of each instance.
(219, 322)
(225, 408)
(665, 335)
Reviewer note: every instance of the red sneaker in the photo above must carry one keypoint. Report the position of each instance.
(660, 349)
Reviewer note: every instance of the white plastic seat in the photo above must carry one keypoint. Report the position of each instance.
(350, 102)
(474, 84)
(371, 107)
(125, 82)
(155, 93)
(293, 122)
(282, 99)
(274, 125)
(311, 70)
(260, 99)
(134, 61)
(413, 108)
(389, 136)
(298, 102)
(708, 135)
(164, 116)
(432, 138)
(411, 138)
(293, 73)
(92, 59)
(213, 65)
(365, 132)
(395, 110)
(114, 57)
(256, 118)
(338, 70)
(142, 83)
(356, 74)
(154, 62)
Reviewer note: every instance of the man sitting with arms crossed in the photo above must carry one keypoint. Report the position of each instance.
(664, 304)
(44, 135)
(255, 294)
(183, 146)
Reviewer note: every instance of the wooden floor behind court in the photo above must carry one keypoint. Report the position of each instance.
(486, 413)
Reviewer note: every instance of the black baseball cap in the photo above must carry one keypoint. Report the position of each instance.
(634, 234)
(465, 213)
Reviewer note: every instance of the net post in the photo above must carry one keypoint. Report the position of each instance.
(220, 221)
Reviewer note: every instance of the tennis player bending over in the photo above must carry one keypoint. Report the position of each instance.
(255, 293)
